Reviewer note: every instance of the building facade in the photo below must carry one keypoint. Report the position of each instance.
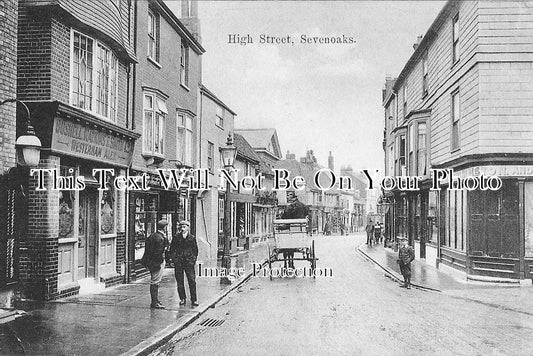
(266, 145)
(463, 102)
(165, 100)
(9, 234)
(217, 122)
(74, 60)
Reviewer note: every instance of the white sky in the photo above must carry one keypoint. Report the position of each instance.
(319, 97)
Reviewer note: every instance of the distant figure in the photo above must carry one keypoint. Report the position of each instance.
(406, 255)
(377, 233)
(369, 228)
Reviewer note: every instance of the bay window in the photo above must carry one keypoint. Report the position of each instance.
(94, 76)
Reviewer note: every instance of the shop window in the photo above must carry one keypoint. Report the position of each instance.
(94, 76)
(145, 221)
(66, 210)
(107, 210)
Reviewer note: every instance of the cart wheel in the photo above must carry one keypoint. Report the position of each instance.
(270, 255)
(313, 258)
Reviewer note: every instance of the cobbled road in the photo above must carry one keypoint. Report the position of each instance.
(357, 311)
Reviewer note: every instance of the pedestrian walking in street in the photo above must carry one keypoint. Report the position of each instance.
(369, 228)
(154, 260)
(406, 255)
(184, 252)
(377, 232)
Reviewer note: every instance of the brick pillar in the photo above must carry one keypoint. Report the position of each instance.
(8, 81)
(121, 228)
(39, 249)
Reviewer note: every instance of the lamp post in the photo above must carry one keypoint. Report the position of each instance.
(28, 146)
(229, 153)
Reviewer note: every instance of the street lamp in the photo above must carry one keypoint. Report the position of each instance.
(229, 152)
(28, 146)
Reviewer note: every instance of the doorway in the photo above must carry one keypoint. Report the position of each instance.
(87, 236)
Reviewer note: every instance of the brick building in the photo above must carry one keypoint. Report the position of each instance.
(74, 61)
(463, 102)
(8, 120)
(165, 100)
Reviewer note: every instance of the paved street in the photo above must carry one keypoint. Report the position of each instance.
(356, 312)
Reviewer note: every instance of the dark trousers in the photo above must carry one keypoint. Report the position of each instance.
(191, 280)
(405, 268)
(369, 238)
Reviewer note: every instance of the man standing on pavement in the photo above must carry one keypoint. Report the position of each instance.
(369, 232)
(406, 255)
(184, 251)
(154, 260)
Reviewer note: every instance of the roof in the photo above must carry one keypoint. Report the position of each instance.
(264, 167)
(213, 97)
(263, 139)
(297, 168)
(244, 149)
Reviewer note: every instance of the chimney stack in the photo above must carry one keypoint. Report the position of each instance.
(418, 40)
(330, 162)
(189, 17)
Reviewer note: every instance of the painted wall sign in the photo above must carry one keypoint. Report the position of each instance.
(84, 141)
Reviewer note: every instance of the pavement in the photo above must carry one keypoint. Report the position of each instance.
(119, 319)
(512, 297)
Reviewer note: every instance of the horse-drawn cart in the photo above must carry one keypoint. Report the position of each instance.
(291, 236)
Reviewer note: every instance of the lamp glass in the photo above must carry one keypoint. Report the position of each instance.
(28, 150)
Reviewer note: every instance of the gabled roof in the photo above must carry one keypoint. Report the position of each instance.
(265, 140)
(244, 150)
(212, 96)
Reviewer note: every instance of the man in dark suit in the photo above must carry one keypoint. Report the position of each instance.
(184, 252)
(406, 255)
(154, 260)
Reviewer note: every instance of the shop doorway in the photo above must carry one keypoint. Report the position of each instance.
(87, 237)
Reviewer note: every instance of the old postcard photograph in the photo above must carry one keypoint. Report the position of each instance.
(190, 177)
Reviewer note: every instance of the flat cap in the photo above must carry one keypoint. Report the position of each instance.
(161, 224)
(185, 222)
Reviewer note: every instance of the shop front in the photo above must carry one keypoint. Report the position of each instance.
(488, 233)
(76, 232)
(148, 207)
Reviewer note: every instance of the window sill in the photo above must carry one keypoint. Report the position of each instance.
(154, 62)
(455, 150)
(185, 87)
(153, 158)
(220, 127)
(95, 114)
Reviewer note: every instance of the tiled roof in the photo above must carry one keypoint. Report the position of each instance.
(245, 150)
